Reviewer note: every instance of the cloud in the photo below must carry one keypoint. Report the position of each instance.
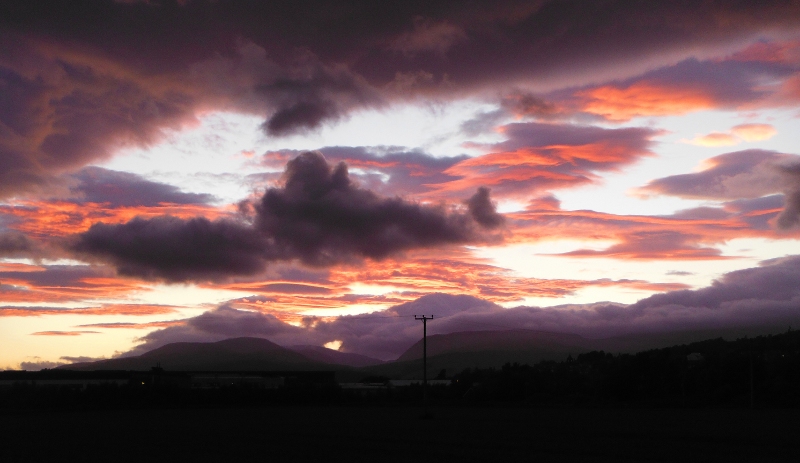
(321, 217)
(754, 132)
(538, 157)
(312, 94)
(741, 174)
(483, 210)
(74, 93)
(642, 99)
(174, 249)
(737, 134)
(63, 333)
(688, 86)
(318, 216)
(428, 36)
(773, 283)
(687, 234)
(128, 325)
(63, 109)
(715, 139)
(39, 365)
(107, 309)
(61, 283)
(679, 273)
(749, 174)
(122, 189)
(653, 246)
(80, 359)
(15, 245)
(386, 170)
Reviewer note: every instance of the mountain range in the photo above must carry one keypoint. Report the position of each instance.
(452, 352)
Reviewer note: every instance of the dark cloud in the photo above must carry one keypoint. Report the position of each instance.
(175, 249)
(320, 95)
(526, 104)
(15, 245)
(483, 210)
(318, 217)
(321, 217)
(790, 216)
(73, 92)
(98, 185)
(59, 111)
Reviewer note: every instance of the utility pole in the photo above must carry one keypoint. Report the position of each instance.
(424, 358)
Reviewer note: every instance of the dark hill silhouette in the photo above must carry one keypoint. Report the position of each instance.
(334, 357)
(541, 345)
(237, 354)
(454, 352)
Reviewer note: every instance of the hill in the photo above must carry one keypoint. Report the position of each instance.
(334, 357)
(236, 354)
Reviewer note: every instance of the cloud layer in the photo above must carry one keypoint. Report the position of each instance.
(751, 300)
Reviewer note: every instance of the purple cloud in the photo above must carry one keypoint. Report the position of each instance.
(120, 189)
(750, 178)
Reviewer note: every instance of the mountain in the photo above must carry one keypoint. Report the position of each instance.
(542, 345)
(455, 352)
(236, 354)
(334, 357)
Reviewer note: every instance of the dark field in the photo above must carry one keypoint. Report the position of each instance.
(380, 434)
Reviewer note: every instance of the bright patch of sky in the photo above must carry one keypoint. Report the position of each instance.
(218, 154)
(616, 194)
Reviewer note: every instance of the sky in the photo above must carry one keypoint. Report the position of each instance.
(318, 172)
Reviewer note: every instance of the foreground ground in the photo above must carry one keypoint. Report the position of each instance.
(386, 434)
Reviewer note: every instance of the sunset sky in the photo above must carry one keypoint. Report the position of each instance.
(197, 170)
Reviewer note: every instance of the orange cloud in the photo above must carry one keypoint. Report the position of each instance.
(454, 272)
(686, 235)
(163, 324)
(63, 284)
(535, 169)
(60, 218)
(643, 99)
(538, 157)
(63, 333)
(108, 309)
